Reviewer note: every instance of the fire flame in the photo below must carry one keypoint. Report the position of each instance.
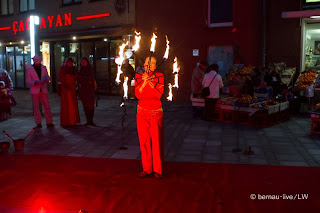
(120, 60)
(166, 54)
(122, 104)
(176, 70)
(137, 42)
(125, 87)
(169, 98)
(153, 43)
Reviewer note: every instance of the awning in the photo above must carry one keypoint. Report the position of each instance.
(301, 14)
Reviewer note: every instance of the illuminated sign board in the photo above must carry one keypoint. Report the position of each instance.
(309, 1)
(50, 22)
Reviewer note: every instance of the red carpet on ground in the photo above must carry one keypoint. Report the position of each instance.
(59, 183)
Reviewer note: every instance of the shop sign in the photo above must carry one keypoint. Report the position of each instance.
(45, 22)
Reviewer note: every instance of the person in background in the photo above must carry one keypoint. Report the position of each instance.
(150, 125)
(5, 103)
(69, 114)
(37, 77)
(196, 87)
(197, 77)
(4, 76)
(87, 88)
(128, 72)
(256, 80)
(211, 100)
(140, 68)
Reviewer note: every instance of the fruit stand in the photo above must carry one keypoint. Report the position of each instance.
(252, 111)
(307, 86)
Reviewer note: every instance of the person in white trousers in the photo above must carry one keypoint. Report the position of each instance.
(37, 77)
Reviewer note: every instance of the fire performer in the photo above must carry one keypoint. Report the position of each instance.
(150, 118)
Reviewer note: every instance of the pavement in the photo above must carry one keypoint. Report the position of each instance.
(186, 139)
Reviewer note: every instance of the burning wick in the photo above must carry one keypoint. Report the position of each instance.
(166, 54)
(169, 98)
(125, 88)
(119, 61)
(153, 43)
(176, 73)
(137, 42)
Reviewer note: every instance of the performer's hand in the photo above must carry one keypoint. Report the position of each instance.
(145, 76)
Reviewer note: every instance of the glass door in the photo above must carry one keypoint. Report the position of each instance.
(20, 67)
(10, 65)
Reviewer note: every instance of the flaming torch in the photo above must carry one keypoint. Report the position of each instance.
(166, 54)
(176, 73)
(119, 61)
(153, 43)
(169, 98)
(137, 38)
(176, 79)
(125, 87)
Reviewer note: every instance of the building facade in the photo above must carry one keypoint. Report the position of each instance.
(76, 28)
(222, 31)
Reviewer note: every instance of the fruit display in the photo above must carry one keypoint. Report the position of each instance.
(265, 104)
(239, 74)
(307, 79)
(233, 72)
(245, 98)
(247, 70)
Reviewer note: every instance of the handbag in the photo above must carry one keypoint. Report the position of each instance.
(206, 90)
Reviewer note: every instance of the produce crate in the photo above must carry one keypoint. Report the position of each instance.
(284, 106)
(226, 116)
(198, 102)
(315, 126)
(273, 109)
(242, 117)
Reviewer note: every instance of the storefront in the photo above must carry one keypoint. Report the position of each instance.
(91, 29)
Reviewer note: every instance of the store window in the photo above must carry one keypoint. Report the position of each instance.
(6, 7)
(220, 13)
(26, 5)
(71, 1)
(312, 46)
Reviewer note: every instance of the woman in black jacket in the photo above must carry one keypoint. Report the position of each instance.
(87, 89)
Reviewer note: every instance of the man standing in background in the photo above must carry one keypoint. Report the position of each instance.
(197, 77)
(37, 77)
(196, 87)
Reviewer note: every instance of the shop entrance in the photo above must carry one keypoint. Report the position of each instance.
(16, 59)
(101, 54)
(311, 44)
(63, 50)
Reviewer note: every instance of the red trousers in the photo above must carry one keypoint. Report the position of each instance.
(151, 135)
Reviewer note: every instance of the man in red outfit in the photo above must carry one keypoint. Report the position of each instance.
(149, 87)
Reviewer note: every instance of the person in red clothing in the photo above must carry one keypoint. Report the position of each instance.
(69, 112)
(149, 87)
